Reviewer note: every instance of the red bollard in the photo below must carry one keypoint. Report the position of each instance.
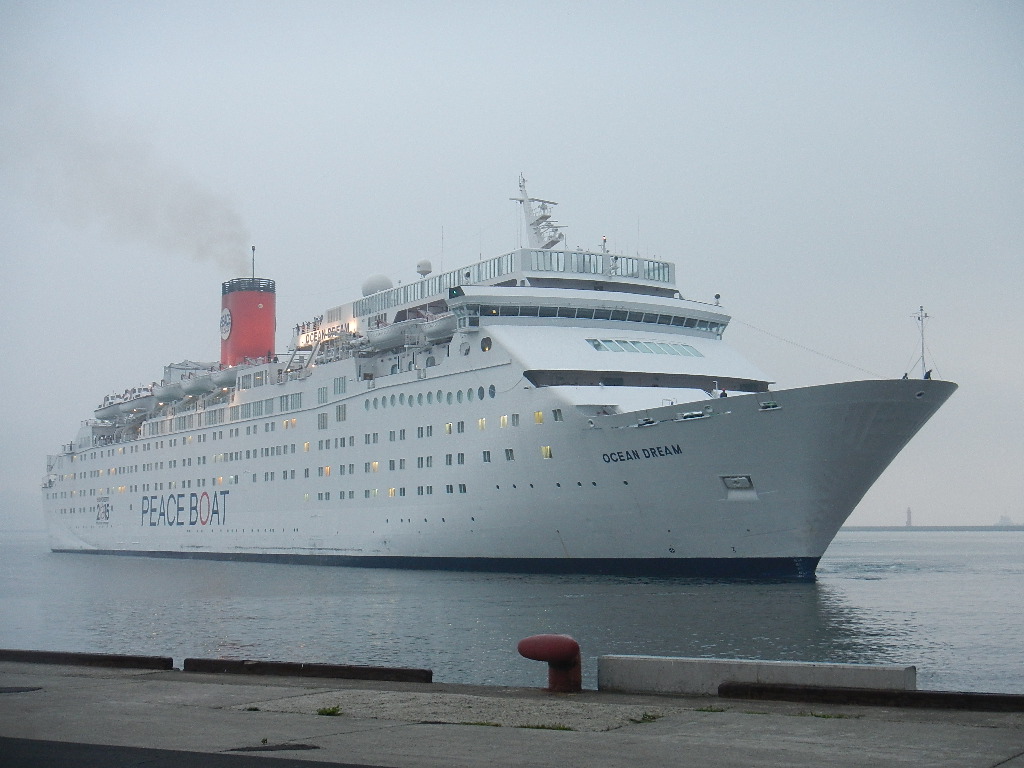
(562, 653)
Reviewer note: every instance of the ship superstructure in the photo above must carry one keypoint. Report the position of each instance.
(544, 410)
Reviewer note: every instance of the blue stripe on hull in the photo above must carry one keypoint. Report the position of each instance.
(788, 568)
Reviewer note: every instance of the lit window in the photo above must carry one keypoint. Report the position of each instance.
(538, 417)
(503, 421)
(481, 423)
(545, 451)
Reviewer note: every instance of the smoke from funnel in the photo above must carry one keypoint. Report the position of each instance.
(104, 178)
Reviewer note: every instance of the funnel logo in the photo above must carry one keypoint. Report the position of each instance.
(225, 324)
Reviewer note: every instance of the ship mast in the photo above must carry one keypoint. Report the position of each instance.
(543, 231)
(921, 316)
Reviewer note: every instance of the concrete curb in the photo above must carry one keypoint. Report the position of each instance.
(701, 677)
(875, 697)
(110, 660)
(298, 669)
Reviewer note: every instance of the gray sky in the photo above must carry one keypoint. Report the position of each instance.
(827, 167)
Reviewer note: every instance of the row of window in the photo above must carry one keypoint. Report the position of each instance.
(391, 493)
(430, 398)
(422, 462)
(644, 347)
(588, 313)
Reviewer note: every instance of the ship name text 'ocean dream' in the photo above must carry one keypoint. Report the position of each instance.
(545, 410)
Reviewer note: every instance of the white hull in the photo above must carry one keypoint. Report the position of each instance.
(614, 497)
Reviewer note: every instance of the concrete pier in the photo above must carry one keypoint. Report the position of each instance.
(54, 714)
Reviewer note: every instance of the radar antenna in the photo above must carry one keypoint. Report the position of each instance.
(543, 231)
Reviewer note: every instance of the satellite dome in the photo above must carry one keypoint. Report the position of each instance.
(375, 284)
(424, 268)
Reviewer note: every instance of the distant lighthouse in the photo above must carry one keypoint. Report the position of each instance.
(909, 523)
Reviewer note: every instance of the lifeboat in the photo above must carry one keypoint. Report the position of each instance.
(225, 377)
(143, 403)
(166, 392)
(109, 410)
(440, 327)
(198, 384)
(388, 336)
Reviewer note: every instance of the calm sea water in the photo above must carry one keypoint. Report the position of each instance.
(947, 602)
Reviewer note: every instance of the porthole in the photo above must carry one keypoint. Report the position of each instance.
(393, 400)
(490, 391)
(485, 344)
(401, 399)
(366, 405)
(469, 395)
(383, 402)
(480, 393)
(430, 398)
(375, 403)
(419, 399)
(458, 395)
(439, 398)
(448, 399)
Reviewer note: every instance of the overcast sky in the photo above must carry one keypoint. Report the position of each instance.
(827, 167)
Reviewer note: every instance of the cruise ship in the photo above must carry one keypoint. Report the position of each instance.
(546, 410)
